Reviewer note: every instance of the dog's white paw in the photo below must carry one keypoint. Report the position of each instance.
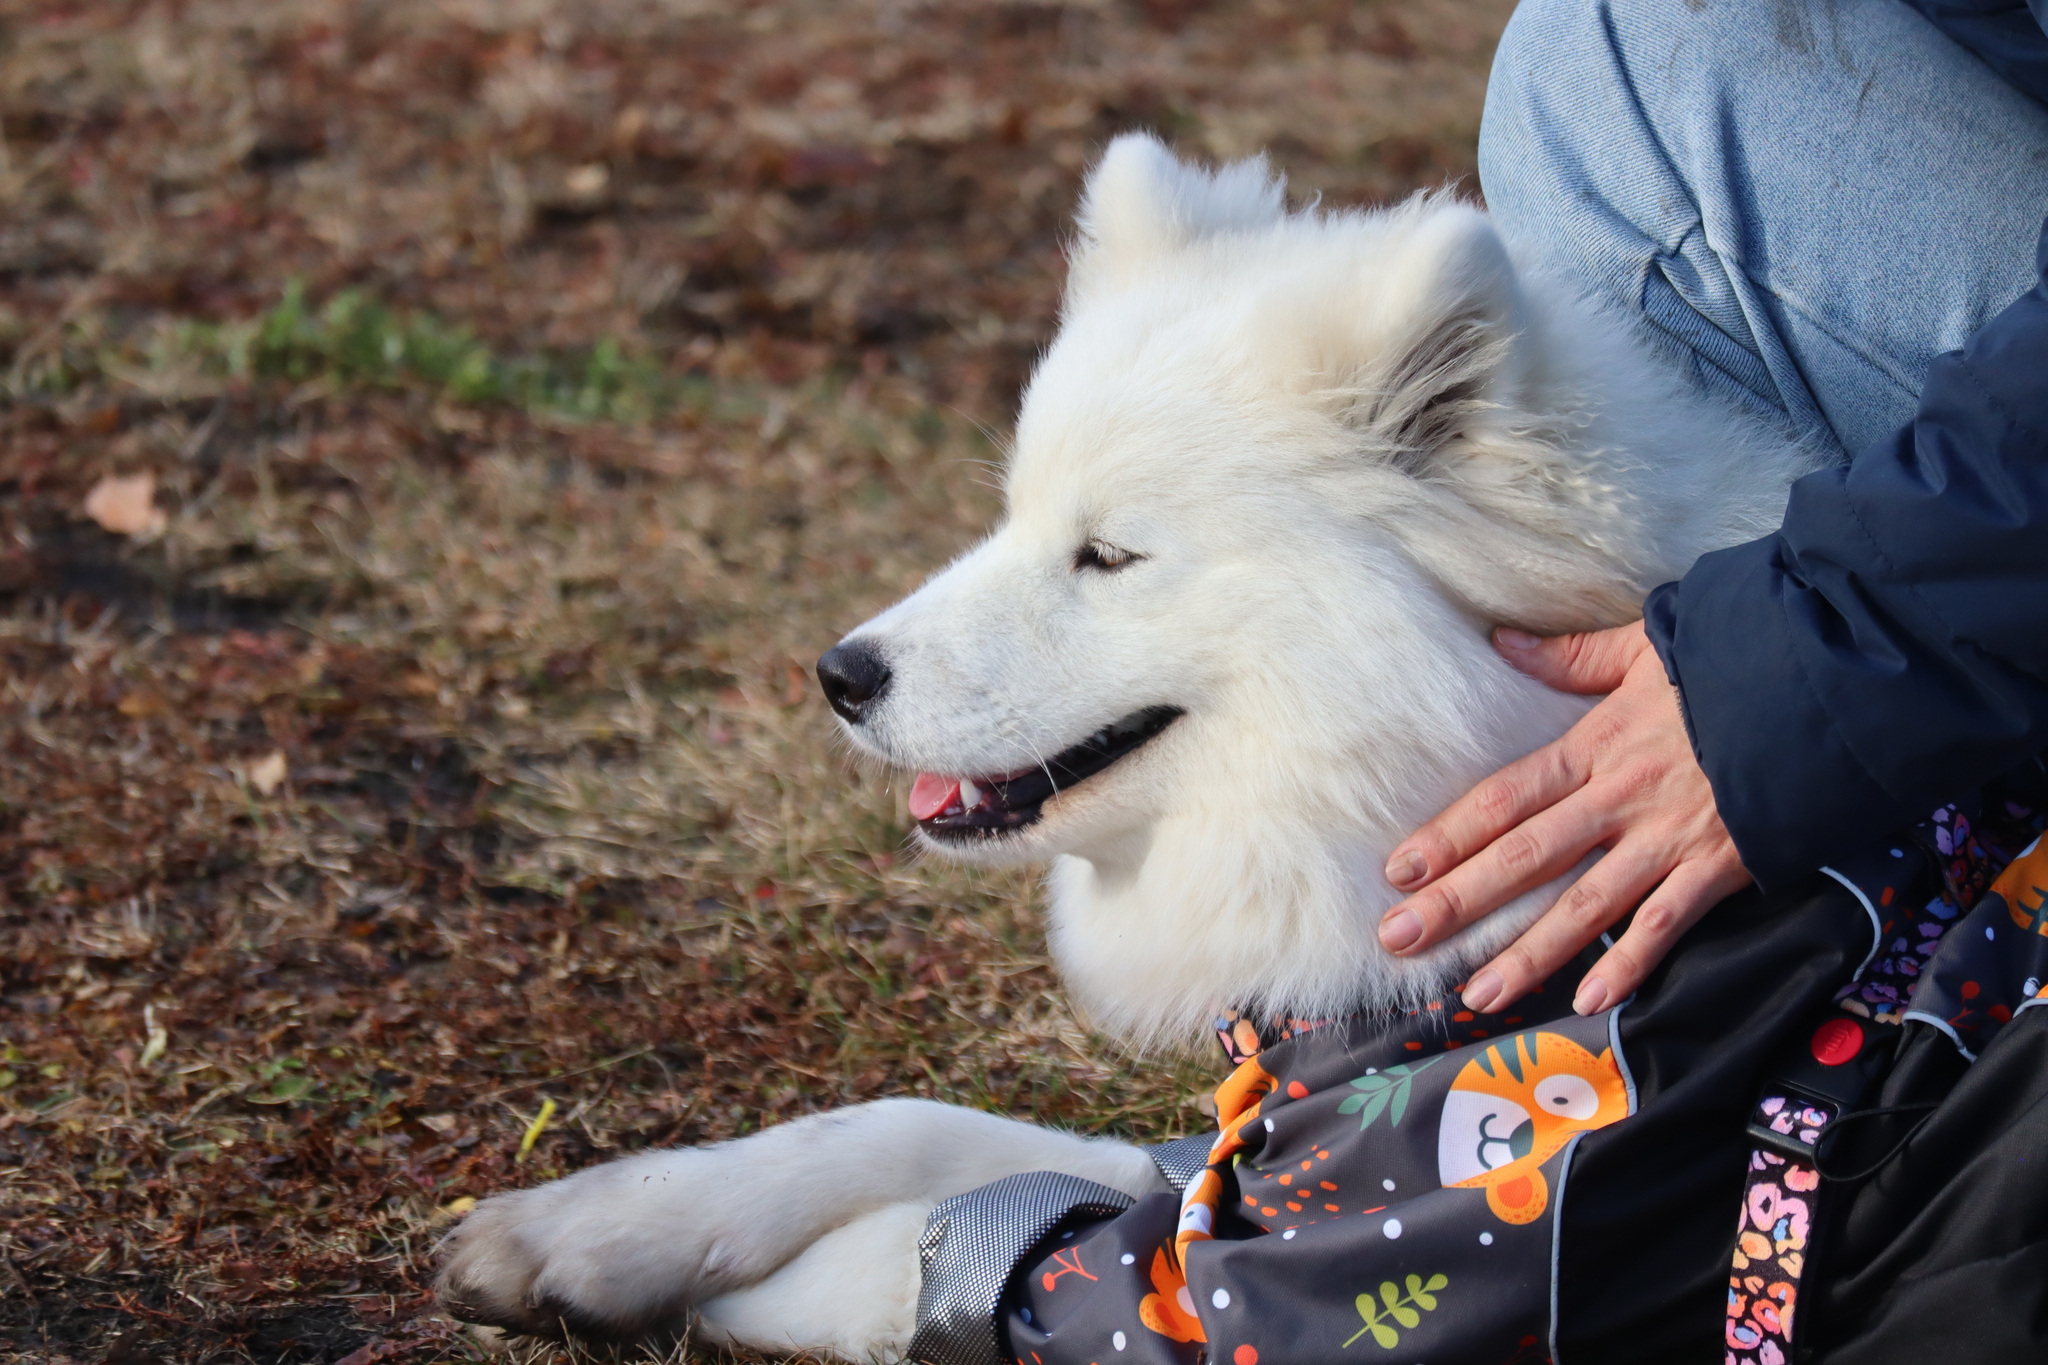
(803, 1236)
(583, 1257)
(565, 1261)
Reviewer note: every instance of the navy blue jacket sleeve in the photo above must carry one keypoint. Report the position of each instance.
(2011, 36)
(1887, 650)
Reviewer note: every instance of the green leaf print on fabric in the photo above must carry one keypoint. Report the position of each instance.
(1392, 1306)
(1384, 1092)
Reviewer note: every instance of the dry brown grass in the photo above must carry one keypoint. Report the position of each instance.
(561, 817)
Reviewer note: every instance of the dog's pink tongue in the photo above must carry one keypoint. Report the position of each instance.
(931, 794)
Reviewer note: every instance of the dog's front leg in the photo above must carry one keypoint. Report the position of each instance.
(818, 1218)
(852, 1293)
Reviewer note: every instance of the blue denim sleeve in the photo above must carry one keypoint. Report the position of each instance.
(2009, 36)
(1887, 649)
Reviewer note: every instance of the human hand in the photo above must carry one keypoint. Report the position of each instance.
(1623, 779)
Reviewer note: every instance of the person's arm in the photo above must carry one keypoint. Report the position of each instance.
(2010, 36)
(1885, 651)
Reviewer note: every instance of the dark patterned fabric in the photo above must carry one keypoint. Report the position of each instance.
(1955, 949)
(970, 1249)
(1774, 1232)
(1435, 1186)
(1393, 1164)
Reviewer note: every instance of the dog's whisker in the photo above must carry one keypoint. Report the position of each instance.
(1001, 441)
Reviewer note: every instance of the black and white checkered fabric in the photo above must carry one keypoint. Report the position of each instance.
(971, 1247)
(1182, 1159)
(974, 1242)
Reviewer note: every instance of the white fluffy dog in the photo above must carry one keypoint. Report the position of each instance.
(1273, 483)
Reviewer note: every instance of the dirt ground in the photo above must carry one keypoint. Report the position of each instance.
(436, 438)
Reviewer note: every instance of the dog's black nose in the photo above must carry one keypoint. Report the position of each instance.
(853, 675)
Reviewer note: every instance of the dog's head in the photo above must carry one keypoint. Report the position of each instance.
(1270, 485)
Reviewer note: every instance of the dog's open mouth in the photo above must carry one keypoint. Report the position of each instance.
(960, 808)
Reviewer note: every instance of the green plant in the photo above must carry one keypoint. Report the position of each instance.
(1384, 1091)
(285, 1082)
(355, 340)
(1397, 1306)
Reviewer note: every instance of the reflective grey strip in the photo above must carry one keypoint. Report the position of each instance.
(971, 1247)
(1182, 1159)
(1876, 920)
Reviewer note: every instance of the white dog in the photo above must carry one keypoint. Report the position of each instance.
(1273, 483)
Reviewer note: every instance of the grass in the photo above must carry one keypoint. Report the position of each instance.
(531, 393)
(355, 342)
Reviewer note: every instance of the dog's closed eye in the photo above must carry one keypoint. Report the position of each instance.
(1102, 557)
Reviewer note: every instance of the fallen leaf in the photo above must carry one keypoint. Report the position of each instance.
(141, 705)
(266, 774)
(534, 1129)
(126, 505)
(104, 421)
(158, 1037)
(131, 1348)
(454, 1208)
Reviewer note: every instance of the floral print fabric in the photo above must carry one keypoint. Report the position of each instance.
(1961, 911)
(1380, 1188)
(1389, 1187)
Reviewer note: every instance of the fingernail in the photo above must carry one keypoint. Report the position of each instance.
(1507, 637)
(1400, 930)
(1407, 868)
(1592, 996)
(1482, 990)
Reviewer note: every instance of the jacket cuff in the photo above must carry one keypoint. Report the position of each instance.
(1182, 1159)
(1787, 786)
(1660, 623)
(970, 1251)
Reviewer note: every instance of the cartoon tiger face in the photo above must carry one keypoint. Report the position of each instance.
(1513, 1107)
(2022, 886)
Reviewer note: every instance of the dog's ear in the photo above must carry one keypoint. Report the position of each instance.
(1141, 203)
(1430, 349)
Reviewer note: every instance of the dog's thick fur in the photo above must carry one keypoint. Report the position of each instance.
(1334, 449)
